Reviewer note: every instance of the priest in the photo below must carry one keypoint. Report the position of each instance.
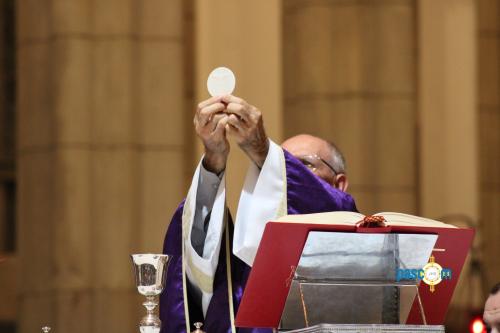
(211, 255)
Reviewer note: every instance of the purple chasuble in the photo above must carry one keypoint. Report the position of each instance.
(306, 193)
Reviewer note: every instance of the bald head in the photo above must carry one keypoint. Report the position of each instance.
(491, 315)
(330, 163)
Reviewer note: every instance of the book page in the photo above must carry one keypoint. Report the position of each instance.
(351, 218)
(402, 219)
(339, 218)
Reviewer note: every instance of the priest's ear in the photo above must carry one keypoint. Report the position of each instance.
(341, 182)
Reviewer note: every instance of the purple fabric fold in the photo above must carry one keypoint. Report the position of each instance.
(172, 299)
(306, 193)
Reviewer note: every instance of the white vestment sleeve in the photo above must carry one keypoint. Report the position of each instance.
(262, 199)
(200, 269)
(208, 184)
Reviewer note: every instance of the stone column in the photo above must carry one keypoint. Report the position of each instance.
(349, 77)
(8, 259)
(246, 37)
(101, 154)
(449, 178)
(488, 16)
(3, 130)
(448, 156)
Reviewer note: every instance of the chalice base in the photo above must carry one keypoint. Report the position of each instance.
(149, 329)
(150, 324)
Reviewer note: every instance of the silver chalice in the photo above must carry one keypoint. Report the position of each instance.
(150, 272)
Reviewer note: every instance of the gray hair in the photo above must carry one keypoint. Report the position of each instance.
(336, 159)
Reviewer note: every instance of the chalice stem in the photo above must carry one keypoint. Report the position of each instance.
(150, 304)
(151, 318)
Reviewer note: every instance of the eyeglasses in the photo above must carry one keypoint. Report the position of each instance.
(311, 162)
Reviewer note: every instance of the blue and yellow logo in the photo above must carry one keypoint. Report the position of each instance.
(431, 274)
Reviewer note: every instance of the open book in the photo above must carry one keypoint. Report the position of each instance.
(351, 218)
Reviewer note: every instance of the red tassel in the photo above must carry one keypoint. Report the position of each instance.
(372, 222)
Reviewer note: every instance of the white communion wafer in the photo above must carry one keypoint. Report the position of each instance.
(221, 81)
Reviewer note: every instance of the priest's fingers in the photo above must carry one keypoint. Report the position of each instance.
(236, 128)
(203, 105)
(249, 113)
(235, 122)
(233, 99)
(231, 130)
(220, 127)
(209, 101)
(205, 114)
(241, 110)
(236, 105)
(216, 119)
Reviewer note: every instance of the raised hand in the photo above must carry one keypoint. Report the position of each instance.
(246, 125)
(210, 125)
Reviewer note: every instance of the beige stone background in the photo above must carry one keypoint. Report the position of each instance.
(97, 146)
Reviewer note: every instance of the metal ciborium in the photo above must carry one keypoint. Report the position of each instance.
(150, 272)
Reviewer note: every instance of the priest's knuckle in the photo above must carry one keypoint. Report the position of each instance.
(238, 108)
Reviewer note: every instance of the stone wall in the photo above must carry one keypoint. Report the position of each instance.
(100, 151)
(350, 77)
(489, 135)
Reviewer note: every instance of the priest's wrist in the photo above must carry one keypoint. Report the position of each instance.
(215, 162)
(258, 154)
